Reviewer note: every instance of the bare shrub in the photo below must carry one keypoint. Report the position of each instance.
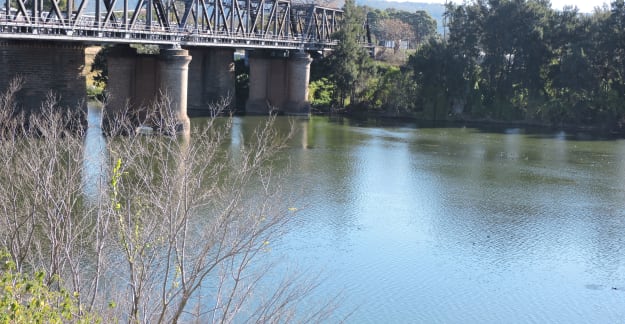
(43, 217)
(178, 231)
(10, 121)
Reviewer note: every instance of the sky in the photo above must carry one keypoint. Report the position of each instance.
(583, 5)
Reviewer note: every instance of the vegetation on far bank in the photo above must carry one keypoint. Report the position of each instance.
(499, 60)
(515, 61)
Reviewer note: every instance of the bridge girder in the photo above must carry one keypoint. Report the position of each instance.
(226, 23)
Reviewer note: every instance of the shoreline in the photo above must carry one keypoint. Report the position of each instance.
(490, 124)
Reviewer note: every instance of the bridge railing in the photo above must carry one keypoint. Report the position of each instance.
(162, 36)
(240, 23)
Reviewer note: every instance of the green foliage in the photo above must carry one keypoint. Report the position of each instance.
(100, 69)
(421, 26)
(241, 83)
(549, 66)
(350, 62)
(395, 91)
(26, 298)
(436, 78)
(321, 92)
(47, 6)
(146, 49)
(94, 91)
(115, 179)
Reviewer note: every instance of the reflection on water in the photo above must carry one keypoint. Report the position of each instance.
(451, 225)
(96, 157)
(457, 225)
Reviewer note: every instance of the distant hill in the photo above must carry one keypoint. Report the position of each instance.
(435, 10)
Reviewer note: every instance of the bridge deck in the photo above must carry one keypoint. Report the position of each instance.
(214, 23)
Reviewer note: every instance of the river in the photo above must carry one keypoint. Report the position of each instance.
(460, 225)
(414, 224)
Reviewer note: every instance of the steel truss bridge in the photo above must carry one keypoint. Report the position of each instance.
(273, 24)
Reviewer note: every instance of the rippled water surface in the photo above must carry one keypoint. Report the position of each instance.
(414, 224)
(458, 225)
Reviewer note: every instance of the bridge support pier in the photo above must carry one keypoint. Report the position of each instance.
(258, 101)
(174, 75)
(137, 80)
(121, 79)
(45, 67)
(211, 78)
(132, 83)
(279, 82)
(298, 78)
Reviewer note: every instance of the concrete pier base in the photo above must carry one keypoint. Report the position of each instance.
(139, 84)
(298, 69)
(120, 89)
(211, 79)
(279, 83)
(132, 79)
(132, 85)
(258, 101)
(174, 74)
(45, 68)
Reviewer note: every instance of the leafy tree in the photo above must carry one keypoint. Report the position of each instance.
(26, 298)
(419, 26)
(570, 80)
(374, 17)
(608, 61)
(321, 92)
(396, 31)
(465, 35)
(99, 68)
(614, 43)
(507, 39)
(47, 7)
(437, 73)
(501, 59)
(241, 83)
(350, 62)
(424, 26)
(395, 91)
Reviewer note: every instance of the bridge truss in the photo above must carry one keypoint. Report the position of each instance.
(227, 23)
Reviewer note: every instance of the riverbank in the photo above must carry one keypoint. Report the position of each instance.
(378, 118)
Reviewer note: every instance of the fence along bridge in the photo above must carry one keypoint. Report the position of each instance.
(242, 23)
(45, 41)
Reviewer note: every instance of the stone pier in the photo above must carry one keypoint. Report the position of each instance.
(46, 68)
(298, 68)
(121, 61)
(132, 82)
(211, 79)
(258, 99)
(174, 74)
(136, 81)
(279, 82)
